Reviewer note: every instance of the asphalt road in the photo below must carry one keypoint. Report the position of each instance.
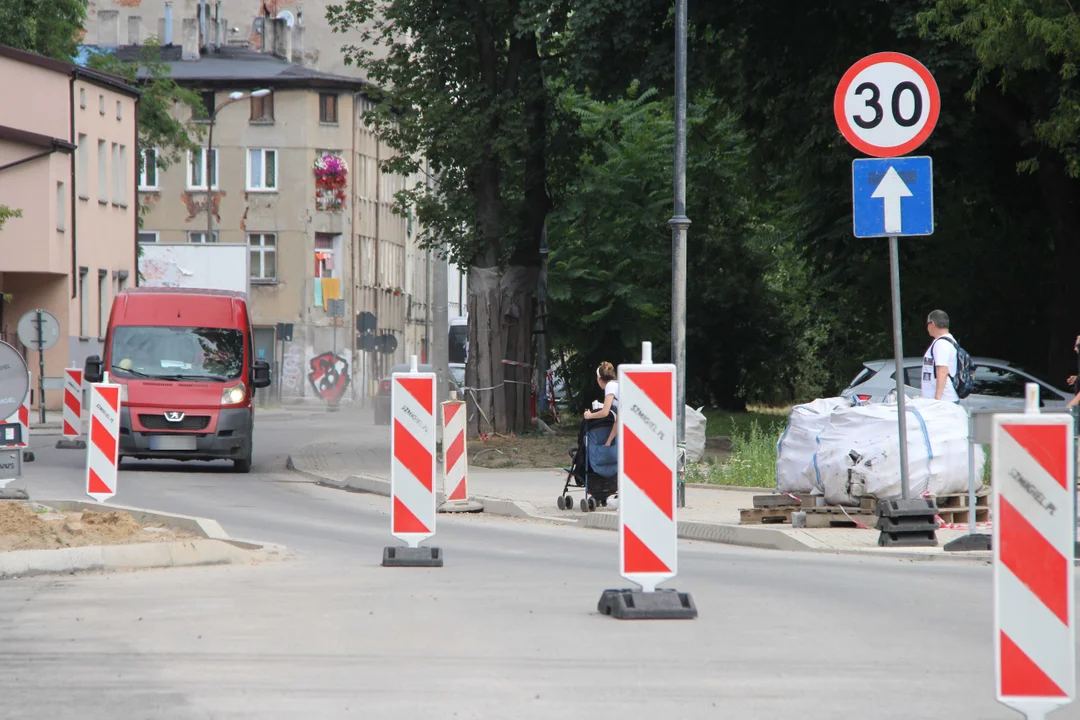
(508, 628)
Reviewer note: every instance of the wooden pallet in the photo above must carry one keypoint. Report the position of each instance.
(783, 500)
(834, 517)
(951, 501)
(959, 516)
(766, 515)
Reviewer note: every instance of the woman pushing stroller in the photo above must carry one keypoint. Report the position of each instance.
(594, 463)
(605, 376)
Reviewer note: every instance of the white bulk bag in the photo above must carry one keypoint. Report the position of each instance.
(858, 451)
(796, 447)
(695, 435)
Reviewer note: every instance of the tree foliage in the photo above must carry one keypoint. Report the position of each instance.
(6, 213)
(47, 27)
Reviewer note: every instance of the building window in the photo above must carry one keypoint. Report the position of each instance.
(102, 173)
(119, 110)
(326, 250)
(82, 98)
(148, 179)
(103, 302)
(82, 162)
(148, 236)
(200, 237)
(117, 173)
(262, 169)
(84, 303)
(197, 169)
(101, 104)
(121, 277)
(60, 206)
(327, 107)
(262, 108)
(263, 248)
(208, 99)
(121, 172)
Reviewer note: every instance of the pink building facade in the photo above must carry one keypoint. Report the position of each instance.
(68, 162)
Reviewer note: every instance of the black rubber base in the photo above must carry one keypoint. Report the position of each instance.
(70, 444)
(27, 456)
(412, 557)
(970, 543)
(663, 604)
(13, 494)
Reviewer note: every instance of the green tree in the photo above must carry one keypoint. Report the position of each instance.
(46, 27)
(6, 213)
(466, 102)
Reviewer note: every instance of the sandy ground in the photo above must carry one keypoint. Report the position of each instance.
(24, 528)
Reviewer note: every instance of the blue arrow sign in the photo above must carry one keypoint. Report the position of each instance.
(892, 196)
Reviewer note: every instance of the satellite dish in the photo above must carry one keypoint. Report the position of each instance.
(287, 17)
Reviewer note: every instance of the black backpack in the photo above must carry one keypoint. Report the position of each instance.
(964, 380)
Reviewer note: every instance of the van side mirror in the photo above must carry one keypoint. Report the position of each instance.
(260, 374)
(92, 371)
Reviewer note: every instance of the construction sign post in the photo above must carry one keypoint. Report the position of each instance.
(103, 450)
(412, 469)
(648, 531)
(1034, 479)
(73, 395)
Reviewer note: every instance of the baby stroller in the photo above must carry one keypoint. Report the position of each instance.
(594, 467)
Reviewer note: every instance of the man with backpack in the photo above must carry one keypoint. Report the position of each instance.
(947, 373)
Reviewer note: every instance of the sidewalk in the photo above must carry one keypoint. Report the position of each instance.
(711, 513)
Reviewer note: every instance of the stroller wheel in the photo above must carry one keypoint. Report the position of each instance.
(584, 505)
(592, 504)
(565, 503)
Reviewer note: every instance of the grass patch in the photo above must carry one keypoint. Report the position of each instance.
(729, 424)
(752, 462)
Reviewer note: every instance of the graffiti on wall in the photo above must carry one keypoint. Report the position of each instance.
(329, 376)
(292, 368)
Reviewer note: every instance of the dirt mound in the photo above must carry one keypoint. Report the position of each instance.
(24, 528)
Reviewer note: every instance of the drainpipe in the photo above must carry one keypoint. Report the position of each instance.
(355, 258)
(378, 178)
(74, 195)
(135, 206)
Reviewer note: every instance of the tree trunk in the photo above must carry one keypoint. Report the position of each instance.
(1060, 204)
(500, 317)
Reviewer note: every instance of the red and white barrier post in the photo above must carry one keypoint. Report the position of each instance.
(455, 460)
(412, 469)
(73, 396)
(1034, 479)
(648, 527)
(103, 448)
(21, 417)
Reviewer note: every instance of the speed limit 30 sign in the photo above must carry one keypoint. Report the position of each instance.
(887, 104)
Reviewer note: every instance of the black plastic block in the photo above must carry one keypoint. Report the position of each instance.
(665, 604)
(970, 543)
(412, 557)
(908, 539)
(921, 523)
(70, 444)
(907, 508)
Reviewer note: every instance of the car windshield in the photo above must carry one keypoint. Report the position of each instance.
(175, 353)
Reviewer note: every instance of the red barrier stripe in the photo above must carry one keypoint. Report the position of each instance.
(412, 455)
(68, 430)
(71, 403)
(459, 492)
(111, 395)
(657, 385)
(419, 388)
(405, 521)
(75, 375)
(1048, 444)
(97, 485)
(1020, 677)
(637, 557)
(103, 439)
(453, 453)
(1034, 561)
(450, 411)
(647, 472)
(24, 415)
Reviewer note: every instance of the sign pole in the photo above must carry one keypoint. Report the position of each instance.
(898, 356)
(41, 368)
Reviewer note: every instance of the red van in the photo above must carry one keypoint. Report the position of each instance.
(185, 361)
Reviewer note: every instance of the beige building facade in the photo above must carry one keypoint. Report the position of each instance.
(67, 162)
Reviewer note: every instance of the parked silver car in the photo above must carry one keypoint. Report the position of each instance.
(999, 385)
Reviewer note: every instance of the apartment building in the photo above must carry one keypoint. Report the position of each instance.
(67, 161)
(293, 173)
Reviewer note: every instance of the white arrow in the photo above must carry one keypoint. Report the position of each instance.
(891, 189)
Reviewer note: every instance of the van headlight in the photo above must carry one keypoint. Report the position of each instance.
(234, 395)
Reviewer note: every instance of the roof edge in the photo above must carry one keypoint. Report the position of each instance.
(70, 69)
(36, 139)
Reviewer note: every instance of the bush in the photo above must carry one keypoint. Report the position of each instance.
(752, 462)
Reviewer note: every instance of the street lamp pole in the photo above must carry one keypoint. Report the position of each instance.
(233, 97)
(679, 223)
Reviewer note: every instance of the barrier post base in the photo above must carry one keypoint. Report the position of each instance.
(28, 456)
(13, 494)
(70, 444)
(461, 506)
(907, 523)
(663, 604)
(970, 543)
(412, 557)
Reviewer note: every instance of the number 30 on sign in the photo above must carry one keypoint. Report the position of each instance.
(887, 104)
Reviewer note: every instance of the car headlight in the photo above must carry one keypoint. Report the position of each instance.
(234, 395)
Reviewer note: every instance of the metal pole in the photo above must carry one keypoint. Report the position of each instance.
(679, 224)
(41, 368)
(206, 177)
(542, 362)
(971, 474)
(898, 357)
(427, 307)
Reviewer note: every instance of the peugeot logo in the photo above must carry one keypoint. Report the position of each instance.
(174, 416)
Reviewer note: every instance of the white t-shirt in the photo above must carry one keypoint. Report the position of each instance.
(612, 388)
(941, 353)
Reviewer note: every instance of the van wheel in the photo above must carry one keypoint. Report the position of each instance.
(242, 465)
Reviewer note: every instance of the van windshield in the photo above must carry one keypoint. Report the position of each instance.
(175, 353)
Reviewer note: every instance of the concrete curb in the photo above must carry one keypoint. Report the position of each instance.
(355, 483)
(214, 547)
